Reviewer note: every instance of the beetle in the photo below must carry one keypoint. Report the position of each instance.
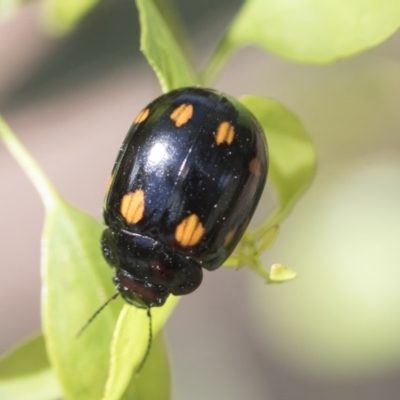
(183, 189)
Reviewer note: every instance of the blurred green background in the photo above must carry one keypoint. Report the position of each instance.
(334, 332)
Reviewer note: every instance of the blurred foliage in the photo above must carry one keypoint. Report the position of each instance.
(342, 318)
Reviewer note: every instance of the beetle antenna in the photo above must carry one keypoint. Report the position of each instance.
(96, 313)
(149, 343)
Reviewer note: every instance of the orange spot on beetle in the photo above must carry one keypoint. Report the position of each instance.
(225, 133)
(190, 231)
(182, 114)
(255, 166)
(142, 116)
(132, 206)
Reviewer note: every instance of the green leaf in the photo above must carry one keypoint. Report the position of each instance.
(130, 343)
(156, 369)
(161, 49)
(314, 31)
(25, 373)
(76, 281)
(171, 17)
(291, 152)
(62, 15)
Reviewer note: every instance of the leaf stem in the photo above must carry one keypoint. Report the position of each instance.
(45, 188)
(257, 267)
(216, 62)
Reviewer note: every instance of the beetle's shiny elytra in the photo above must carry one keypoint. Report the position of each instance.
(186, 182)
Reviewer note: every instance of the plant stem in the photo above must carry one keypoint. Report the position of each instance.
(46, 190)
(216, 63)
